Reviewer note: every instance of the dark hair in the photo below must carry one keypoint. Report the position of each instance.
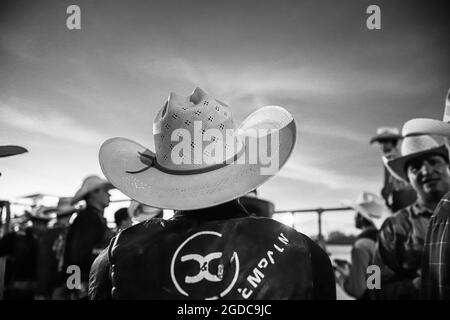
(121, 215)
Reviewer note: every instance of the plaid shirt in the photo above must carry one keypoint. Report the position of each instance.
(399, 252)
(436, 258)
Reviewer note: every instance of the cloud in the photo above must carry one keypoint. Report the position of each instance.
(337, 132)
(51, 124)
(297, 170)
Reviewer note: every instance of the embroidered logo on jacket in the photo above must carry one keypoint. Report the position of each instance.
(199, 274)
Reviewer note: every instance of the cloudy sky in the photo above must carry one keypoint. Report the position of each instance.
(63, 92)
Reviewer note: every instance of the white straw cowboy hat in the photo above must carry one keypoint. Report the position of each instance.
(158, 180)
(430, 126)
(89, 184)
(147, 212)
(386, 133)
(413, 147)
(64, 207)
(371, 207)
(7, 151)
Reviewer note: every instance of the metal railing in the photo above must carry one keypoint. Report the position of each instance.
(319, 212)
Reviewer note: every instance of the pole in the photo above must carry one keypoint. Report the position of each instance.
(319, 221)
(3, 231)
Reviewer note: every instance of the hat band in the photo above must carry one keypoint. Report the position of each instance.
(151, 162)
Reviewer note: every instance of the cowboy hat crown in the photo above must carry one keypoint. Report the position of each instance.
(200, 121)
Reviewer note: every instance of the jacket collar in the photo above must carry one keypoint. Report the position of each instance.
(419, 210)
(229, 210)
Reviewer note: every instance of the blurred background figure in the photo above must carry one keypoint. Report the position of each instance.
(140, 212)
(19, 249)
(256, 206)
(88, 234)
(370, 214)
(50, 263)
(122, 219)
(16, 248)
(396, 193)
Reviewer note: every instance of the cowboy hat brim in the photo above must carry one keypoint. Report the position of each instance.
(397, 166)
(164, 190)
(381, 137)
(421, 126)
(7, 151)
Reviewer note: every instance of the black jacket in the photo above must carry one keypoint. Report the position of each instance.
(87, 232)
(213, 253)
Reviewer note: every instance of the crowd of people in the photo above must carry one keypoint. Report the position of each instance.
(221, 243)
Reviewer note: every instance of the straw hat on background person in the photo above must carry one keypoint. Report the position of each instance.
(385, 134)
(63, 208)
(154, 178)
(89, 184)
(412, 148)
(141, 212)
(9, 150)
(371, 207)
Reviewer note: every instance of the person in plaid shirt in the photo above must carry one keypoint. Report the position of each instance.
(436, 256)
(424, 163)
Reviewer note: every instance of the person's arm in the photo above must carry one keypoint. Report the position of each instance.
(387, 257)
(355, 283)
(436, 257)
(322, 272)
(99, 278)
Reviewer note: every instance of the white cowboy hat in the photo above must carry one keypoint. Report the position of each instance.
(157, 180)
(147, 212)
(413, 147)
(64, 207)
(386, 133)
(422, 126)
(371, 207)
(89, 184)
(7, 151)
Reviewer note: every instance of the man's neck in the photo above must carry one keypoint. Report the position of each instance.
(430, 205)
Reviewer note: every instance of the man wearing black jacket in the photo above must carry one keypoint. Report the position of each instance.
(88, 234)
(211, 248)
